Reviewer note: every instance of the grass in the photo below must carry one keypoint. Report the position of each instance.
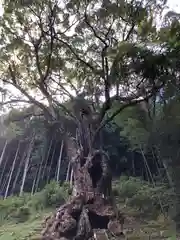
(29, 230)
(135, 230)
(22, 218)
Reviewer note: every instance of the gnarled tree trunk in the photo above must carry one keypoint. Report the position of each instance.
(91, 205)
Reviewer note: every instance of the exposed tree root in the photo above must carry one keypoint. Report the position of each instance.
(77, 219)
(91, 205)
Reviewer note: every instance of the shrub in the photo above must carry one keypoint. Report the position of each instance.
(9, 206)
(128, 187)
(66, 189)
(144, 196)
(19, 208)
(38, 201)
(21, 214)
(51, 196)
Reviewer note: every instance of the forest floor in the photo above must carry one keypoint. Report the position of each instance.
(139, 225)
(29, 230)
(136, 227)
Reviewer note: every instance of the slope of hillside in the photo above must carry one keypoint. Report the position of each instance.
(22, 218)
(134, 228)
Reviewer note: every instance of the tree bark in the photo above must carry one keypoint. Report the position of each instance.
(71, 178)
(26, 165)
(12, 170)
(3, 188)
(47, 157)
(51, 162)
(68, 172)
(3, 171)
(19, 171)
(34, 182)
(59, 161)
(39, 172)
(3, 152)
(152, 179)
(91, 205)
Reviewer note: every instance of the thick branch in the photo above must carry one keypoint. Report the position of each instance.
(51, 100)
(128, 104)
(31, 99)
(105, 66)
(93, 30)
(64, 90)
(76, 55)
(36, 51)
(130, 32)
(51, 29)
(116, 98)
(41, 84)
(13, 101)
(51, 17)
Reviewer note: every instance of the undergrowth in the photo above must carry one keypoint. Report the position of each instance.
(146, 198)
(133, 192)
(20, 209)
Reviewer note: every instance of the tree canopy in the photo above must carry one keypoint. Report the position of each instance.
(106, 51)
(119, 59)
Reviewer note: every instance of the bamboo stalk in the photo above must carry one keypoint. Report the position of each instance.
(49, 172)
(59, 161)
(3, 171)
(46, 159)
(68, 172)
(3, 152)
(26, 165)
(12, 170)
(19, 169)
(34, 182)
(40, 176)
(152, 179)
(71, 178)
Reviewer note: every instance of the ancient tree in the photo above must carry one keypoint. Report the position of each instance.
(91, 205)
(86, 61)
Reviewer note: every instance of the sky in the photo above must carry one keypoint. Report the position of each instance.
(174, 5)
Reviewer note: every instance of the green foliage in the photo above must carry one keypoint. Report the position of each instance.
(19, 209)
(66, 189)
(75, 56)
(21, 214)
(10, 207)
(51, 196)
(143, 196)
(105, 46)
(135, 125)
(127, 188)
